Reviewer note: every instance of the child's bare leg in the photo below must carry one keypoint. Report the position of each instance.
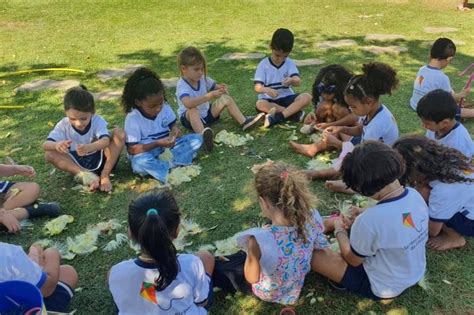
(207, 260)
(63, 162)
(447, 239)
(321, 174)
(338, 186)
(68, 275)
(308, 150)
(300, 102)
(112, 153)
(194, 118)
(266, 106)
(329, 264)
(28, 193)
(225, 101)
(467, 112)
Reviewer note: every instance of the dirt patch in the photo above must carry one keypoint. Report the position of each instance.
(107, 95)
(384, 37)
(242, 56)
(336, 43)
(114, 73)
(308, 62)
(379, 50)
(38, 85)
(439, 30)
(170, 82)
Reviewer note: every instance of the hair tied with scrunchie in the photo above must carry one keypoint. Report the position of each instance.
(152, 211)
(284, 175)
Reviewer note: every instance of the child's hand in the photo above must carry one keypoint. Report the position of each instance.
(63, 146)
(36, 253)
(333, 129)
(323, 125)
(222, 87)
(168, 142)
(82, 149)
(330, 139)
(271, 92)
(9, 221)
(310, 119)
(355, 211)
(339, 224)
(26, 170)
(215, 94)
(287, 81)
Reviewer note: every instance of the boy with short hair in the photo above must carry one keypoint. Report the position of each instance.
(18, 200)
(273, 80)
(431, 76)
(41, 268)
(437, 111)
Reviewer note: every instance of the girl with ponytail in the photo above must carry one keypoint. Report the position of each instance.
(278, 255)
(160, 281)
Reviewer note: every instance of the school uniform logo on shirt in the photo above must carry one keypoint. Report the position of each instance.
(165, 123)
(408, 220)
(148, 292)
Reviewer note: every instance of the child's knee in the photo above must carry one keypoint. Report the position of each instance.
(261, 105)
(207, 260)
(306, 97)
(193, 113)
(119, 134)
(32, 188)
(49, 157)
(68, 275)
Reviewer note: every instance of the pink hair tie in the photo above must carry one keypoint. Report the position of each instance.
(284, 174)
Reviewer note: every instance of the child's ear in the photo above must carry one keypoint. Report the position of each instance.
(444, 123)
(138, 103)
(182, 68)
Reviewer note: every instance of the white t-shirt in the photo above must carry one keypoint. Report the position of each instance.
(428, 79)
(131, 285)
(457, 138)
(448, 199)
(96, 130)
(391, 237)
(184, 88)
(382, 127)
(16, 265)
(142, 129)
(272, 76)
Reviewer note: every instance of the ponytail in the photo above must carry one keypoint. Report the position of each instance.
(141, 84)
(153, 220)
(288, 190)
(377, 79)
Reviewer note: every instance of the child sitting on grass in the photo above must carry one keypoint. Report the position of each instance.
(437, 111)
(81, 144)
(150, 127)
(385, 252)
(431, 76)
(160, 281)
(19, 199)
(330, 107)
(446, 180)
(41, 268)
(274, 77)
(277, 256)
(194, 92)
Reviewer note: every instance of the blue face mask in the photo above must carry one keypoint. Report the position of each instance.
(326, 88)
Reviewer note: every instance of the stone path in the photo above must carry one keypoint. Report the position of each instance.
(43, 84)
(308, 62)
(438, 30)
(336, 43)
(242, 56)
(170, 82)
(384, 37)
(113, 73)
(107, 95)
(378, 50)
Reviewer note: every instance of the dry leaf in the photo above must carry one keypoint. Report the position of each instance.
(232, 139)
(57, 225)
(183, 174)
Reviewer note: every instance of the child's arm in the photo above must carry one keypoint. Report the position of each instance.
(167, 142)
(49, 261)
(344, 244)
(293, 81)
(351, 131)
(102, 143)
(191, 102)
(60, 146)
(12, 170)
(9, 221)
(348, 120)
(252, 262)
(259, 88)
(462, 94)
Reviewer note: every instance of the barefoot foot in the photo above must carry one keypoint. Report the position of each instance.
(308, 150)
(446, 241)
(105, 184)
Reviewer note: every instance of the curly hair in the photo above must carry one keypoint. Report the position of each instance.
(432, 160)
(287, 189)
(377, 79)
(335, 75)
(141, 84)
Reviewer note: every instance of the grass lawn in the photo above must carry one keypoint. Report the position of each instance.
(95, 35)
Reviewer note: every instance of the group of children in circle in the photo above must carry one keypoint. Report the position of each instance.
(413, 178)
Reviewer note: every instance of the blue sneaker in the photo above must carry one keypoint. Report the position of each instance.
(298, 117)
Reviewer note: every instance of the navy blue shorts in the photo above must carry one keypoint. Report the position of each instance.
(93, 162)
(60, 299)
(206, 121)
(5, 186)
(229, 273)
(461, 224)
(284, 101)
(355, 280)
(356, 140)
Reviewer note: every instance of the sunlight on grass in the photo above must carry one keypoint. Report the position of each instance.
(398, 311)
(241, 204)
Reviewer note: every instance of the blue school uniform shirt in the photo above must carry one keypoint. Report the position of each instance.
(448, 199)
(457, 138)
(428, 79)
(271, 76)
(382, 127)
(131, 284)
(16, 265)
(143, 129)
(184, 88)
(391, 237)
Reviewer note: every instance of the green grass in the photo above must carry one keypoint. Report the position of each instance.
(94, 35)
